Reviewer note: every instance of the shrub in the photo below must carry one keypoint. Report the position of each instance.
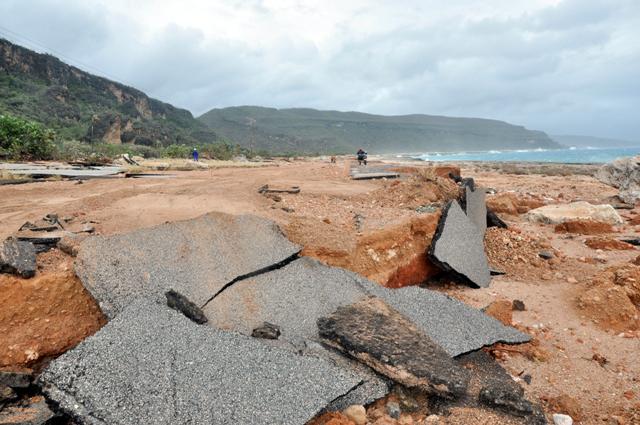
(22, 139)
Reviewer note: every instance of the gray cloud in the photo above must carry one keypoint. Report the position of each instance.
(569, 67)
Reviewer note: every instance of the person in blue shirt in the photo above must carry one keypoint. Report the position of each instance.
(195, 154)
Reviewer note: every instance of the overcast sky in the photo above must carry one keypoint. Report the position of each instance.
(562, 66)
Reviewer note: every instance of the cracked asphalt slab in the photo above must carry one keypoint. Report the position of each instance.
(151, 364)
(458, 246)
(195, 257)
(295, 296)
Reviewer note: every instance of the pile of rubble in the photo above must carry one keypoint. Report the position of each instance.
(220, 320)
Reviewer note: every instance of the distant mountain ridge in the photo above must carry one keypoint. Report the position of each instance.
(83, 106)
(311, 130)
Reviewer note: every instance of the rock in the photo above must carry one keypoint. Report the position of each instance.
(182, 304)
(458, 247)
(16, 378)
(559, 419)
(518, 305)
(546, 255)
(380, 337)
(70, 244)
(572, 279)
(500, 310)
(35, 412)
(556, 214)
(512, 204)
(607, 244)
(17, 257)
(6, 394)
(584, 227)
(393, 409)
(565, 404)
(527, 378)
(623, 174)
(159, 367)
(266, 331)
(356, 413)
(196, 258)
(432, 419)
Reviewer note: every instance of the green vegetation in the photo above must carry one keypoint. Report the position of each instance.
(25, 140)
(310, 130)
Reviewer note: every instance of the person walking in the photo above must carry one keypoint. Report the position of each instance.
(195, 154)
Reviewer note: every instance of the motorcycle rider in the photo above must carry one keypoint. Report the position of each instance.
(362, 157)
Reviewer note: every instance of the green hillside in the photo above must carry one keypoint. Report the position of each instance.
(82, 106)
(310, 130)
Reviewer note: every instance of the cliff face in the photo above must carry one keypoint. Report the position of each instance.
(312, 130)
(84, 106)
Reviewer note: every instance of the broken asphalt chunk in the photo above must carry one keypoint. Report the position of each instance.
(182, 304)
(475, 205)
(196, 258)
(494, 221)
(16, 378)
(458, 247)
(392, 345)
(18, 257)
(296, 295)
(497, 389)
(152, 365)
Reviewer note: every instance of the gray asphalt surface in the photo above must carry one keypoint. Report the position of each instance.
(458, 246)
(194, 257)
(152, 365)
(295, 296)
(476, 207)
(455, 326)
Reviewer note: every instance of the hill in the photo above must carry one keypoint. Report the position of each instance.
(310, 130)
(82, 106)
(594, 142)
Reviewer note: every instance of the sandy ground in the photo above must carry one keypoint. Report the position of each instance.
(569, 337)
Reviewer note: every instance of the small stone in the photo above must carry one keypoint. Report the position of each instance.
(356, 413)
(182, 304)
(266, 331)
(559, 419)
(527, 378)
(518, 305)
(432, 419)
(393, 409)
(546, 255)
(6, 394)
(572, 279)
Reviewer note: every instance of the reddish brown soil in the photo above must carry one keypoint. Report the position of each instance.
(513, 204)
(584, 227)
(501, 310)
(44, 316)
(607, 243)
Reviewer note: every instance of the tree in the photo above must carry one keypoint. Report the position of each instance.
(25, 140)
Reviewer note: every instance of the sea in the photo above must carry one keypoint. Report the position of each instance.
(573, 155)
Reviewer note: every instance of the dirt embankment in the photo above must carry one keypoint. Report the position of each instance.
(393, 255)
(44, 316)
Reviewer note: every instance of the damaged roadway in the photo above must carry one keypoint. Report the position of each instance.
(241, 281)
(151, 362)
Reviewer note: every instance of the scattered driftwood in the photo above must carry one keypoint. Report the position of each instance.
(266, 189)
